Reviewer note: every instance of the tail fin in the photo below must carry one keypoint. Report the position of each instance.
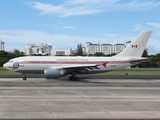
(137, 46)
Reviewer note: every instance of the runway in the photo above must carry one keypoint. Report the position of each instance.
(38, 98)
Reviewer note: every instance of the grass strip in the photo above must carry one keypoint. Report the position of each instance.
(129, 71)
(7, 72)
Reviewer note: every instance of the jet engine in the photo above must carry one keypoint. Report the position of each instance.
(54, 73)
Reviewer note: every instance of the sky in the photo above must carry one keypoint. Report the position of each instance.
(66, 23)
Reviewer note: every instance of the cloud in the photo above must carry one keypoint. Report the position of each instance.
(148, 26)
(21, 38)
(153, 46)
(62, 10)
(68, 27)
(139, 27)
(85, 7)
(57, 26)
(154, 25)
(151, 49)
(48, 8)
(141, 5)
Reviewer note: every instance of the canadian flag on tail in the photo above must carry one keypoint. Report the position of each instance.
(134, 46)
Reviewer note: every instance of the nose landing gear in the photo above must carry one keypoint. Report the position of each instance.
(24, 77)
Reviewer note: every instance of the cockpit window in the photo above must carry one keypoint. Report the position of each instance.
(10, 61)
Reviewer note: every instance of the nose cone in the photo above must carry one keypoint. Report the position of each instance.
(4, 65)
(7, 66)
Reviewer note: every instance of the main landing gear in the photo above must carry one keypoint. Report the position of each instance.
(24, 77)
(73, 77)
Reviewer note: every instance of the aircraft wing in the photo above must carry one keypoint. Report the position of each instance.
(80, 66)
(88, 66)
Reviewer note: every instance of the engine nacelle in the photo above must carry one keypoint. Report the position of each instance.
(53, 73)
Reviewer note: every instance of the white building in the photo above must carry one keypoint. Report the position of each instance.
(1, 45)
(35, 49)
(117, 48)
(62, 52)
(104, 48)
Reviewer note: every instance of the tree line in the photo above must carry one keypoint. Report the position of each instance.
(6, 56)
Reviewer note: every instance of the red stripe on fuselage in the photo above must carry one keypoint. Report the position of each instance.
(73, 62)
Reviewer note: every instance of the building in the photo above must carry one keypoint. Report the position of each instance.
(1, 45)
(89, 48)
(117, 48)
(43, 49)
(104, 48)
(67, 52)
(13, 50)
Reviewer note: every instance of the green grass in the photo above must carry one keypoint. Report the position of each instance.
(141, 69)
(134, 71)
(130, 71)
(7, 72)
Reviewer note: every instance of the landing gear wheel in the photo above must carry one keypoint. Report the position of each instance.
(77, 79)
(24, 78)
(71, 78)
(74, 79)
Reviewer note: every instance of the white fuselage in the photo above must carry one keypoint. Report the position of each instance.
(37, 64)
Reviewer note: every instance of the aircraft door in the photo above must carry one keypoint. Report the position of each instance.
(60, 63)
(113, 62)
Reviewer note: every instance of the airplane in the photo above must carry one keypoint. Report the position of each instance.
(54, 67)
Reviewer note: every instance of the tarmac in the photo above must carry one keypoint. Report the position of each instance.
(98, 98)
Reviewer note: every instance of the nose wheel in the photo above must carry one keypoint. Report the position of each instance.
(24, 77)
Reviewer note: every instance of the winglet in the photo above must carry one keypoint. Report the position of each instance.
(137, 46)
